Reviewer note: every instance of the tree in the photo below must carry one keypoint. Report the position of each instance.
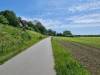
(31, 26)
(59, 34)
(40, 28)
(51, 32)
(11, 17)
(27, 25)
(3, 20)
(67, 33)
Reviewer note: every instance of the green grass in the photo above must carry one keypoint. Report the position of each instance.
(65, 64)
(15, 40)
(89, 41)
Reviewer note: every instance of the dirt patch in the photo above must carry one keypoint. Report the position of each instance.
(88, 56)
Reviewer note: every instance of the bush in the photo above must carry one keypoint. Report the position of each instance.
(3, 20)
(11, 17)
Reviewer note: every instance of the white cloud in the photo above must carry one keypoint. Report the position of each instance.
(26, 18)
(77, 22)
(85, 19)
(85, 6)
(82, 25)
(88, 21)
(48, 23)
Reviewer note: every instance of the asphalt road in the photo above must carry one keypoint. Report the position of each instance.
(37, 60)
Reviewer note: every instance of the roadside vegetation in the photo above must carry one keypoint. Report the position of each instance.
(65, 63)
(17, 34)
(14, 40)
(89, 41)
(10, 18)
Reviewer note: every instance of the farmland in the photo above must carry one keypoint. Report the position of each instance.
(89, 41)
(14, 40)
(65, 64)
(83, 52)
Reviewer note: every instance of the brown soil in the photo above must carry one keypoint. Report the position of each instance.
(88, 56)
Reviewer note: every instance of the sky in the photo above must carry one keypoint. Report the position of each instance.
(78, 16)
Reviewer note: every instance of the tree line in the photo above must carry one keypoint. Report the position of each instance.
(8, 17)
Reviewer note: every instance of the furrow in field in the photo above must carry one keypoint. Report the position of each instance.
(88, 56)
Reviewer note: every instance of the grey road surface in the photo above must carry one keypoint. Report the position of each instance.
(37, 60)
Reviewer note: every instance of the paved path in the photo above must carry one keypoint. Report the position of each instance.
(37, 60)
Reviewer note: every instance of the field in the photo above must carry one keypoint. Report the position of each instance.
(77, 53)
(14, 40)
(65, 63)
(89, 41)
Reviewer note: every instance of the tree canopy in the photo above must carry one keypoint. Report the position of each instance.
(3, 20)
(51, 32)
(40, 28)
(67, 33)
(10, 18)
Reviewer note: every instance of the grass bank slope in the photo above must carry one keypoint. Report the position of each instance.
(14, 40)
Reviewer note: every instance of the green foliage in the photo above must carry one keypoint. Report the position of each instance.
(51, 32)
(40, 28)
(65, 64)
(11, 17)
(3, 20)
(31, 26)
(59, 34)
(14, 40)
(67, 33)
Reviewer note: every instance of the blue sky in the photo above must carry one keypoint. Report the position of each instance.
(78, 16)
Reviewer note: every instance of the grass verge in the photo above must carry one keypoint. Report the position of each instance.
(65, 64)
(15, 40)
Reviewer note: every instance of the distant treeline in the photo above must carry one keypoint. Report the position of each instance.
(8, 17)
(86, 36)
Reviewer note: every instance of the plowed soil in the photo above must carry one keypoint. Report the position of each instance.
(89, 57)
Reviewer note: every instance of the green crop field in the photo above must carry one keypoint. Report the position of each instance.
(14, 40)
(89, 41)
(65, 64)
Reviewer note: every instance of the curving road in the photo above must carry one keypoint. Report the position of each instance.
(37, 60)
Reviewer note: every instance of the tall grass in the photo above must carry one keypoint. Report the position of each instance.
(14, 40)
(65, 64)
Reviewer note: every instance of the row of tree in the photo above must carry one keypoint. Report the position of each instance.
(10, 18)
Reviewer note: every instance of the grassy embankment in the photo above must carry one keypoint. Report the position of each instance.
(65, 64)
(89, 41)
(14, 40)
